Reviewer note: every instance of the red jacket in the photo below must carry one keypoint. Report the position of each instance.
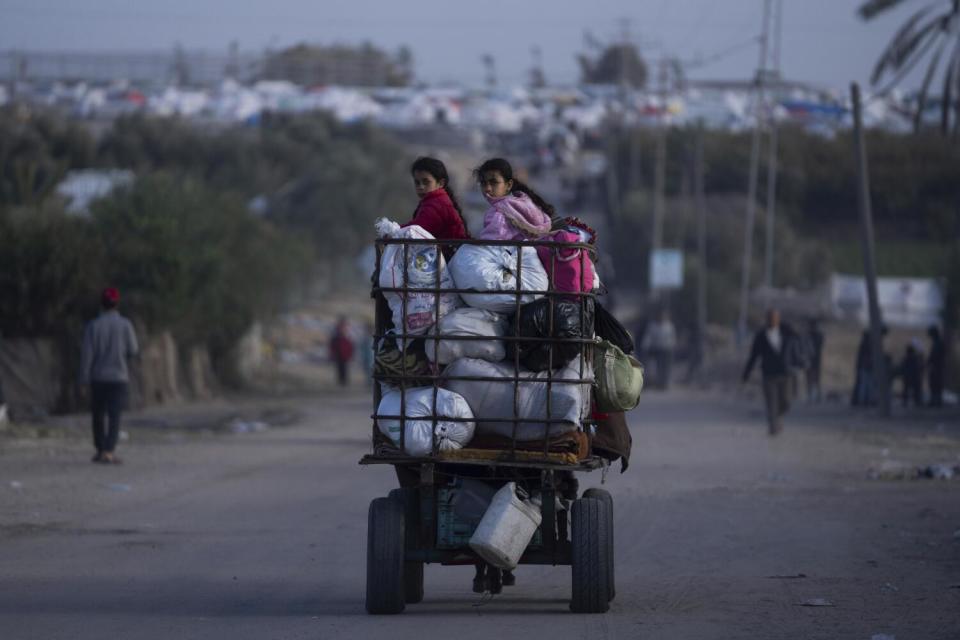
(437, 215)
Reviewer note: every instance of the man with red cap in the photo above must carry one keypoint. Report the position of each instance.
(109, 342)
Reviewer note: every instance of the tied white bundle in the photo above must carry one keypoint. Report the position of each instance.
(418, 403)
(422, 263)
(494, 268)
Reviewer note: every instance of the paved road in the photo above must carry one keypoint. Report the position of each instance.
(263, 536)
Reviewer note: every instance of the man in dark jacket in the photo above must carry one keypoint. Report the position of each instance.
(773, 346)
(108, 344)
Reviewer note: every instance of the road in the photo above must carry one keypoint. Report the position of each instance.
(262, 535)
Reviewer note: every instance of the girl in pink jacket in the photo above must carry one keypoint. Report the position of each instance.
(516, 211)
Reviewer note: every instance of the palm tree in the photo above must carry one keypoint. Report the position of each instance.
(928, 34)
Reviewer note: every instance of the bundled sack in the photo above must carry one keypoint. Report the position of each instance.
(570, 267)
(618, 378)
(493, 400)
(468, 321)
(535, 323)
(608, 328)
(423, 262)
(494, 268)
(419, 404)
(392, 363)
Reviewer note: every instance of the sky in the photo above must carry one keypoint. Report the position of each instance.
(823, 43)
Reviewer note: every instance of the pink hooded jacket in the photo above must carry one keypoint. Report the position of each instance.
(514, 217)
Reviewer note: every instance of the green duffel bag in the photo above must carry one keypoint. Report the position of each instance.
(618, 378)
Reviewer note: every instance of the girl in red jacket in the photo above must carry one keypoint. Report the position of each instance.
(438, 212)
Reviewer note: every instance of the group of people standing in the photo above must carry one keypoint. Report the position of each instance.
(910, 370)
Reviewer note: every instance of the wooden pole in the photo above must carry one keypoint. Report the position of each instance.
(772, 158)
(752, 186)
(880, 382)
(701, 208)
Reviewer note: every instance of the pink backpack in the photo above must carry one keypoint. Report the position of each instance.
(569, 269)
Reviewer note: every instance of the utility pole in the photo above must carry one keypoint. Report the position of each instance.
(660, 166)
(752, 186)
(772, 158)
(701, 208)
(869, 265)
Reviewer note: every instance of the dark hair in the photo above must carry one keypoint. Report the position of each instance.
(438, 170)
(501, 166)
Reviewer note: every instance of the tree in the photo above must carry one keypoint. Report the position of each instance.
(934, 28)
(617, 64)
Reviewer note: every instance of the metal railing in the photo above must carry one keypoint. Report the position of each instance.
(585, 298)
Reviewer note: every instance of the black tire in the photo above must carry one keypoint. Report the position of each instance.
(590, 558)
(385, 551)
(412, 571)
(603, 494)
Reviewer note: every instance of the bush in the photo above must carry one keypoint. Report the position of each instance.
(193, 260)
(49, 271)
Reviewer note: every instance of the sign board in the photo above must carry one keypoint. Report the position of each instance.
(666, 269)
(904, 302)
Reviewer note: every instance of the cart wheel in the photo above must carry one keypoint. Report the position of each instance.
(412, 571)
(590, 557)
(604, 495)
(385, 542)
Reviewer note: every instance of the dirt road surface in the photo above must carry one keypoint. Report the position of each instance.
(722, 532)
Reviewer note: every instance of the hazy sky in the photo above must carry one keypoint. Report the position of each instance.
(823, 40)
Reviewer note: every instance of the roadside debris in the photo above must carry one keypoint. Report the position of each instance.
(816, 602)
(790, 577)
(895, 470)
(238, 425)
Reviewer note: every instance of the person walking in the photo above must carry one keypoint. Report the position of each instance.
(772, 346)
(815, 342)
(341, 351)
(659, 341)
(911, 370)
(109, 342)
(936, 362)
(864, 392)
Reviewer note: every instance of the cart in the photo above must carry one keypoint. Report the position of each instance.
(424, 520)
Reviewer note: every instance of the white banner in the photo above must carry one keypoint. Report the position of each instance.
(904, 302)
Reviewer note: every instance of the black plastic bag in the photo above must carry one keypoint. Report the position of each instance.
(535, 323)
(610, 329)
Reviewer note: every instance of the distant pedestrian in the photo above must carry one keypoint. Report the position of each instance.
(815, 342)
(659, 342)
(936, 363)
(910, 370)
(366, 351)
(3, 406)
(864, 392)
(772, 346)
(109, 343)
(341, 351)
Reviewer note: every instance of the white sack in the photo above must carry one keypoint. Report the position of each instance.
(419, 404)
(493, 268)
(423, 260)
(569, 401)
(468, 321)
